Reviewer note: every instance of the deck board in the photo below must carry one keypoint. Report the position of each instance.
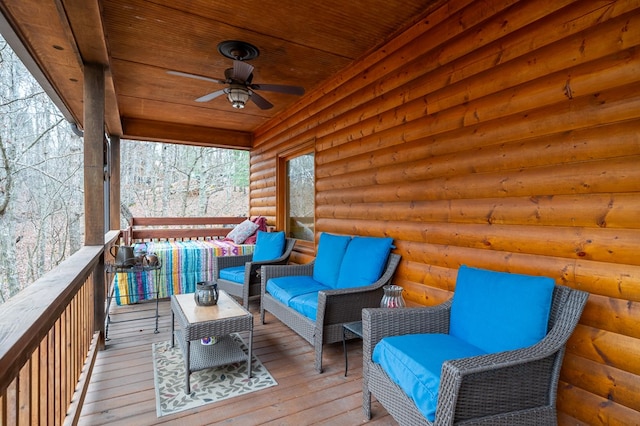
(121, 391)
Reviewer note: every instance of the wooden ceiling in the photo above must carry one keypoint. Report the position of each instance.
(301, 43)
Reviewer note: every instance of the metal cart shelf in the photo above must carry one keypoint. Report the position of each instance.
(113, 269)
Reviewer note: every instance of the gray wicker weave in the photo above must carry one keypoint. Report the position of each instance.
(335, 307)
(508, 388)
(251, 287)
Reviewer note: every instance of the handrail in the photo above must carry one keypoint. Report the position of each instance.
(46, 332)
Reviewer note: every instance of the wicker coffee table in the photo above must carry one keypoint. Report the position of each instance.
(197, 322)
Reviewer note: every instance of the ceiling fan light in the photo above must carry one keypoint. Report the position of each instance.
(238, 97)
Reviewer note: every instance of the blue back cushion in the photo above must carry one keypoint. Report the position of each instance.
(364, 261)
(331, 249)
(499, 311)
(269, 246)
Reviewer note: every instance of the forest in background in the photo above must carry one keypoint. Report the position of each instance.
(41, 180)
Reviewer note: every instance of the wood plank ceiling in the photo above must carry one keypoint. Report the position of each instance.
(301, 43)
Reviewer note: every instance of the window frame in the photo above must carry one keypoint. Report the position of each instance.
(282, 188)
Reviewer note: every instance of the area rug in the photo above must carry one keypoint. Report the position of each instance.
(207, 386)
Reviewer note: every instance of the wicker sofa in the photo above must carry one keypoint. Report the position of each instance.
(333, 302)
(510, 387)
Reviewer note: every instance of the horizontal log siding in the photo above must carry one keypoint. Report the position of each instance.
(503, 135)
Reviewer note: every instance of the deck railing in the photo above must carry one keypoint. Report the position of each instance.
(49, 339)
(179, 228)
(51, 331)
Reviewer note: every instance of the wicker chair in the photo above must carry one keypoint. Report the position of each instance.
(250, 288)
(516, 387)
(335, 307)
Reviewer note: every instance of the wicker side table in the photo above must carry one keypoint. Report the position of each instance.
(197, 322)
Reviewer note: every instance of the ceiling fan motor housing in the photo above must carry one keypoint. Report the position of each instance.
(238, 95)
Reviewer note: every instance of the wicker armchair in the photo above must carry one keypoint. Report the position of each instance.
(516, 387)
(335, 307)
(250, 288)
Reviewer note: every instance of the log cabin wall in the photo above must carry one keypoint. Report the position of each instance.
(502, 135)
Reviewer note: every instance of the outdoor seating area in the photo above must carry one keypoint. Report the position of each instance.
(481, 157)
(492, 353)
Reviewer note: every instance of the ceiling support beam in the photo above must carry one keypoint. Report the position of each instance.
(82, 21)
(137, 129)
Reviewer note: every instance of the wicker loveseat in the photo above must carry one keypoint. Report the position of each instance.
(316, 298)
(488, 386)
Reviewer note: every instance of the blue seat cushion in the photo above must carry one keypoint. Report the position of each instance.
(331, 249)
(233, 273)
(306, 304)
(414, 363)
(499, 311)
(269, 246)
(285, 288)
(363, 261)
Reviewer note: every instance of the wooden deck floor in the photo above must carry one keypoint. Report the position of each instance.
(121, 391)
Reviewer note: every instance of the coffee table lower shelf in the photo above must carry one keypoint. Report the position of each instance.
(225, 351)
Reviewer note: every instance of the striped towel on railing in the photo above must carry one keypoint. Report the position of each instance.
(184, 263)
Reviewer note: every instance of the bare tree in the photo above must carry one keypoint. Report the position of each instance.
(40, 173)
(183, 180)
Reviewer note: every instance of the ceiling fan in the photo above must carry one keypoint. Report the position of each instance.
(239, 78)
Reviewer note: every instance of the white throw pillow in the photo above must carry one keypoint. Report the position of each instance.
(242, 231)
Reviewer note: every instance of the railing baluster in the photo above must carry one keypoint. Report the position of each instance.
(24, 380)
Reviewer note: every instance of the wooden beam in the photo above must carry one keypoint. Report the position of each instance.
(85, 22)
(189, 135)
(94, 153)
(82, 20)
(94, 182)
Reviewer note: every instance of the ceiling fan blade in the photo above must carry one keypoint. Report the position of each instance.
(212, 95)
(197, 77)
(279, 88)
(242, 70)
(260, 101)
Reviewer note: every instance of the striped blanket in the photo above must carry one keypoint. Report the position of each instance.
(183, 264)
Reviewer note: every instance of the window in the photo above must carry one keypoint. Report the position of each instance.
(296, 193)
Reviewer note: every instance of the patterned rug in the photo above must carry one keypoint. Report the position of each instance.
(207, 386)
